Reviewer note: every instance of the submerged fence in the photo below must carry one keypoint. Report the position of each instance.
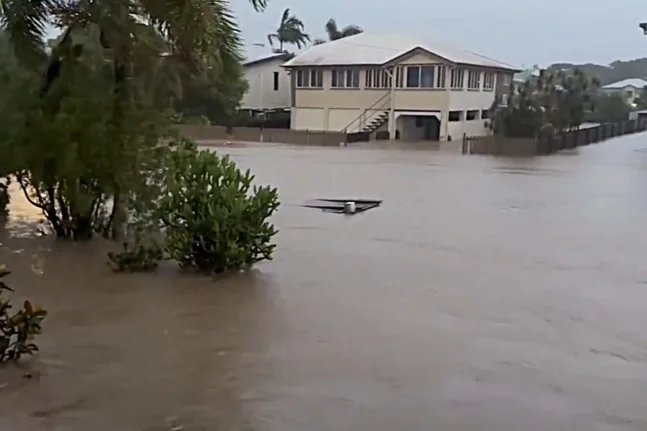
(498, 145)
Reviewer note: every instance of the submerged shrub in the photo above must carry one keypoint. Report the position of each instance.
(215, 219)
(17, 330)
(137, 256)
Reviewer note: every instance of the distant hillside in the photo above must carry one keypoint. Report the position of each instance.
(616, 71)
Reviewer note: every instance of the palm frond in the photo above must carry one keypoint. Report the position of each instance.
(351, 30)
(25, 22)
(196, 29)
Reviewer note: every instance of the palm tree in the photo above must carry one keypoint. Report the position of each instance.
(213, 33)
(290, 31)
(334, 33)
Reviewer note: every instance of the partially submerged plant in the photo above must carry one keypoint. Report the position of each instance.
(215, 219)
(137, 256)
(17, 330)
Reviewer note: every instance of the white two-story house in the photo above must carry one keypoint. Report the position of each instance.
(395, 85)
(269, 84)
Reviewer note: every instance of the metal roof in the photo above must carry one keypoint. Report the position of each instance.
(380, 48)
(632, 82)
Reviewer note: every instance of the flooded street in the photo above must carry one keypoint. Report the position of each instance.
(485, 294)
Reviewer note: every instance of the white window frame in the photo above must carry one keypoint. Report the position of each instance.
(308, 77)
(457, 79)
(345, 78)
(438, 73)
(441, 76)
(377, 78)
(474, 80)
(488, 81)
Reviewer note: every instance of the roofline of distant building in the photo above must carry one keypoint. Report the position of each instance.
(279, 56)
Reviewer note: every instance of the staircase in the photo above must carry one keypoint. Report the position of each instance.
(376, 122)
(372, 118)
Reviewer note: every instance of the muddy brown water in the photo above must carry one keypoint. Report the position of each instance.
(487, 294)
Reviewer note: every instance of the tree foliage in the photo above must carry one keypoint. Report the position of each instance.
(87, 125)
(555, 102)
(609, 108)
(607, 74)
(291, 31)
(334, 32)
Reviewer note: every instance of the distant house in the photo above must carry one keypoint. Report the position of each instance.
(520, 78)
(629, 89)
(269, 84)
(395, 85)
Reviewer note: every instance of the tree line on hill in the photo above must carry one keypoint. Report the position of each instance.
(616, 71)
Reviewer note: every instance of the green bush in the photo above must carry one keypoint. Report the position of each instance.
(17, 330)
(138, 256)
(214, 218)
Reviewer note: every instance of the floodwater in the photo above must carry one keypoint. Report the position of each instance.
(488, 294)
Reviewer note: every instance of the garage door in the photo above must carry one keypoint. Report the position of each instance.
(339, 119)
(308, 119)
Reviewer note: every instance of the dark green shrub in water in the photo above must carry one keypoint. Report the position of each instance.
(136, 256)
(215, 219)
(17, 330)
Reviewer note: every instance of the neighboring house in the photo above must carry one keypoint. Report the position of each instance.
(398, 85)
(630, 89)
(520, 78)
(269, 84)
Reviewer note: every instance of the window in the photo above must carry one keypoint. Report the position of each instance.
(316, 78)
(485, 114)
(378, 78)
(345, 78)
(441, 75)
(425, 77)
(309, 78)
(454, 116)
(474, 80)
(471, 115)
(413, 76)
(488, 81)
(427, 74)
(457, 79)
(503, 101)
(276, 81)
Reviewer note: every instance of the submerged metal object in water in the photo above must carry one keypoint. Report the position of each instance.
(343, 206)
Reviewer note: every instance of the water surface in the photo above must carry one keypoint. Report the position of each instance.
(489, 294)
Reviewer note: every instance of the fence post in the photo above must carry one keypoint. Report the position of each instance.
(464, 144)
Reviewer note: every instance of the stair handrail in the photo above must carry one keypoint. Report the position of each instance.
(363, 114)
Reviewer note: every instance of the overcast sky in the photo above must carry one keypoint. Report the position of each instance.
(519, 32)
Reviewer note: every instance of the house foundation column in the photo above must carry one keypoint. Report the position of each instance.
(392, 127)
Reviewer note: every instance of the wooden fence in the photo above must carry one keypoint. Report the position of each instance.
(205, 134)
(498, 145)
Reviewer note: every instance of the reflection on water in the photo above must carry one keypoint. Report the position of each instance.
(484, 294)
